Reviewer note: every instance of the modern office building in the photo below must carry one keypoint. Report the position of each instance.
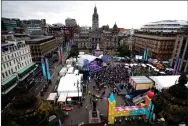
(16, 65)
(34, 25)
(181, 51)
(166, 26)
(9, 24)
(43, 46)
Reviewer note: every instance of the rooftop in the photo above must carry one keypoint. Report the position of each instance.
(40, 40)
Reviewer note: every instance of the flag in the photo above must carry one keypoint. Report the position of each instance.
(43, 68)
(47, 69)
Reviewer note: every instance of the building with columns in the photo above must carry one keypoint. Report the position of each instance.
(105, 37)
(159, 38)
(181, 51)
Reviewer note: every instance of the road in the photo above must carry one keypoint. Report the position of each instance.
(80, 114)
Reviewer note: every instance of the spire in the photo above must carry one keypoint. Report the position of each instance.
(95, 9)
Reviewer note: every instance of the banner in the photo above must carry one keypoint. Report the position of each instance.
(178, 66)
(59, 53)
(43, 68)
(47, 69)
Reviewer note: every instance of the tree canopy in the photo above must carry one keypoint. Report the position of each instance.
(74, 52)
(123, 51)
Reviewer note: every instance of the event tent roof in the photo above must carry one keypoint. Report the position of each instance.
(141, 79)
(83, 57)
(68, 83)
(164, 81)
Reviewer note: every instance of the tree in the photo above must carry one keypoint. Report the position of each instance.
(74, 52)
(123, 51)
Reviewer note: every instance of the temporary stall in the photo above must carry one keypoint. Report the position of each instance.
(68, 62)
(164, 81)
(76, 72)
(74, 94)
(62, 97)
(52, 96)
(62, 72)
(68, 66)
(67, 84)
(70, 70)
(140, 82)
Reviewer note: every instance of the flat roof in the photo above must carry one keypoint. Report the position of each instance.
(164, 81)
(40, 40)
(141, 79)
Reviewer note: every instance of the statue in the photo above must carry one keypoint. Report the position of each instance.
(94, 104)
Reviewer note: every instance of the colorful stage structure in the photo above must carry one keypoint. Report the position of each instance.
(144, 110)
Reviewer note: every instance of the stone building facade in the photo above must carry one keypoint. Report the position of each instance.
(181, 51)
(107, 38)
(159, 45)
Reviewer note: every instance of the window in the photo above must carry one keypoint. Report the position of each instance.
(6, 73)
(3, 75)
(8, 57)
(5, 58)
(9, 72)
(16, 68)
(12, 70)
(10, 63)
(7, 64)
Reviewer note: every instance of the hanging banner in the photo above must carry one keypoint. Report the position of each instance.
(47, 69)
(43, 68)
(59, 53)
(62, 57)
(176, 64)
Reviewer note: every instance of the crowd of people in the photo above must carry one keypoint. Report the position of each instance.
(111, 75)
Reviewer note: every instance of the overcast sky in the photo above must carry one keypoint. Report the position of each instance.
(126, 14)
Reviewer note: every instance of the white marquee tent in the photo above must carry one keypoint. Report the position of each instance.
(164, 81)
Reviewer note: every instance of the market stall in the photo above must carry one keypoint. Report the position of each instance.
(140, 82)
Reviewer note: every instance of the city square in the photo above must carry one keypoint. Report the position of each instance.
(77, 75)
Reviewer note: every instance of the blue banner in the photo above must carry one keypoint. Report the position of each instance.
(47, 69)
(43, 68)
(176, 64)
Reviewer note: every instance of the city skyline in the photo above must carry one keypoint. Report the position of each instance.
(126, 14)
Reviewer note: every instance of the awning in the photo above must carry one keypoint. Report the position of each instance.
(25, 68)
(9, 79)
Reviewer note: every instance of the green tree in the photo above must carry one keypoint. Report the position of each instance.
(74, 52)
(123, 51)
